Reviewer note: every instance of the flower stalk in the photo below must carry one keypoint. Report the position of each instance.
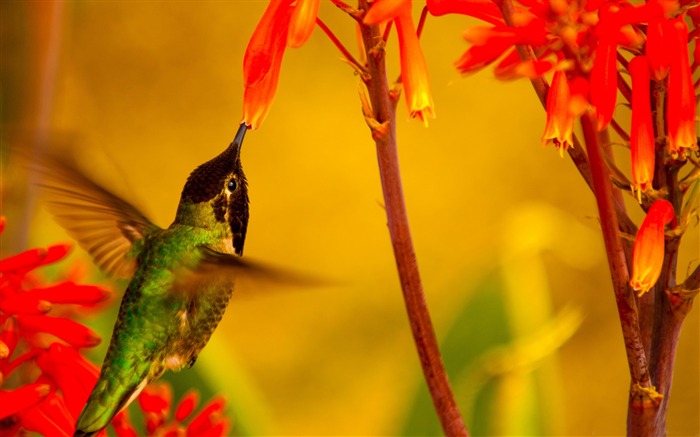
(383, 125)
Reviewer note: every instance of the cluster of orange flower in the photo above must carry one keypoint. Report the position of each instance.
(584, 45)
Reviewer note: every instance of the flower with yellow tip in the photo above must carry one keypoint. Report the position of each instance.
(648, 252)
(414, 71)
(680, 104)
(642, 131)
(302, 22)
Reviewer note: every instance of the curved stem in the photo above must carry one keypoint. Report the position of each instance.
(383, 125)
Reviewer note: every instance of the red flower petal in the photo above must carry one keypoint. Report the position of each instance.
(485, 10)
(680, 104)
(3, 220)
(479, 56)
(156, 399)
(69, 292)
(648, 251)
(122, 426)
(187, 405)
(34, 258)
(206, 418)
(218, 429)
(71, 373)
(14, 401)
(604, 73)
(25, 304)
(642, 132)
(9, 336)
(72, 332)
(657, 47)
(49, 418)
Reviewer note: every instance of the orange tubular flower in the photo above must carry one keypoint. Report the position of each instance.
(642, 132)
(560, 121)
(262, 61)
(414, 71)
(680, 107)
(648, 252)
(302, 22)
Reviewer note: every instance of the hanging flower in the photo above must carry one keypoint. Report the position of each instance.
(303, 21)
(681, 103)
(658, 33)
(642, 132)
(604, 72)
(414, 71)
(262, 61)
(282, 24)
(560, 123)
(648, 252)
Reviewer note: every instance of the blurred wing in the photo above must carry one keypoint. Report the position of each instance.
(103, 224)
(217, 267)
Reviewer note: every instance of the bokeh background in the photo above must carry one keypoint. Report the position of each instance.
(505, 230)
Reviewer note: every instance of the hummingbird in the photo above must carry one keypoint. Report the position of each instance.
(181, 277)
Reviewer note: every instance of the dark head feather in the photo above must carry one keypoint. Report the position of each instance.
(205, 182)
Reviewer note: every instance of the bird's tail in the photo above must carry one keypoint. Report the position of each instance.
(112, 393)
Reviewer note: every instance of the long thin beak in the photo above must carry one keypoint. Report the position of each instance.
(238, 139)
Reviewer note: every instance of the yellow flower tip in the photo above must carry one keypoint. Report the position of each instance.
(648, 251)
(423, 115)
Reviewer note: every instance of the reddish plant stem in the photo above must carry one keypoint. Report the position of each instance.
(339, 45)
(643, 400)
(384, 134)
(669, 309)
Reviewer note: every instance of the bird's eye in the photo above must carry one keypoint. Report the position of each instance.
(231, 185)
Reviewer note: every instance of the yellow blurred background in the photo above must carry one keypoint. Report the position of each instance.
(505, 230)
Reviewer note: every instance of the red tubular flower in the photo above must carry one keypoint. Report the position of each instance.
(208, 418)
(681, 104)
(14, 401)
(560, 120)
(302, 22)
(34, 258)
(604, 72)
(262, 62)
(642, 132)
(68, 330)
(187, 405)
(648, 252)
(65, 377)
(71, 373)
(657, 46)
